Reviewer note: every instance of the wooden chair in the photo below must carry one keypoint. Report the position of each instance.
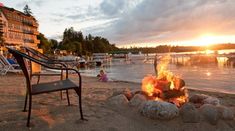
(36, 89)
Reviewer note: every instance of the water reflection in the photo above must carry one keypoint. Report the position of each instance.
(204, 60)
(210, 72)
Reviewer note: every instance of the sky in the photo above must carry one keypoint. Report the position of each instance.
(137, 22)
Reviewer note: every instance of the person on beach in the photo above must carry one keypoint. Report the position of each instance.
(10, 59)
(102, 76)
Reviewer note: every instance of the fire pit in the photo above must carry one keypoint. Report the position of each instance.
(165, 86)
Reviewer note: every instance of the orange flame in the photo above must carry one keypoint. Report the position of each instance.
(148, 84)
(165, 81)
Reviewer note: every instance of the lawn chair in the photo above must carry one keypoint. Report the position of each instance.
(38, 55)
(7, 67)
(36, 89)
(71, 63)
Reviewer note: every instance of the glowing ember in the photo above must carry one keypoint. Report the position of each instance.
(166, 86)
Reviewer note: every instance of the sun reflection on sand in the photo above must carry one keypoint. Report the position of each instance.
(45, 116)
(208, 74)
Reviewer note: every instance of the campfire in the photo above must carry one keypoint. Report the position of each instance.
(165, 97)
(165, 86)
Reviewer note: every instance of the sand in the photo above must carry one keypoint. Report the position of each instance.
(49, 112)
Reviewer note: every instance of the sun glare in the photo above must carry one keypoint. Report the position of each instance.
(206, 40)
(210, 39)
(209, 52)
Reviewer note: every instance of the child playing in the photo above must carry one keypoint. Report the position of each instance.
(102, 76)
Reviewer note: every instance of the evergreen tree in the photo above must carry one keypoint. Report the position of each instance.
(45, 44)
(27, 10)
(83, 45)
(54, 44)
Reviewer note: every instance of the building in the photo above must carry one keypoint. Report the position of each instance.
(17, 28)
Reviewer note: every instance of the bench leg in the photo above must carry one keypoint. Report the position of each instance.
(67, 93)
(25, 102)
(80, 106)
(78, 91)
(38, 79)
(29, 113)
(61, 95)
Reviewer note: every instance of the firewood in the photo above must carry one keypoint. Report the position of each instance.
(162, 85)
(179, 83)
(173, 94)
(144, 94)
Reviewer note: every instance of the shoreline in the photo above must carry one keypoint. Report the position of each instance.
(189, 88)
(227, 99)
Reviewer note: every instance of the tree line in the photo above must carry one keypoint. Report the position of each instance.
(169, 48)
(74, 41)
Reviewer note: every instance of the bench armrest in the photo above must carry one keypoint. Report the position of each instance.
(54, 65)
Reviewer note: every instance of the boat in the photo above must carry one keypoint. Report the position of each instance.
(101, 58)
(73, 61)
(136, 57)
(82, 62)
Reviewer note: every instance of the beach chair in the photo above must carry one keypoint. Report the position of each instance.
(40, 88)
(7, 67)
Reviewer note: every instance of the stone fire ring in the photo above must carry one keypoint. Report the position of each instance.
(159, 110)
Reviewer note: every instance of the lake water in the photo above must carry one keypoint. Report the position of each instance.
(213, 76)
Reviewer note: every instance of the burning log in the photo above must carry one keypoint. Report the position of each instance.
(179, 83)
(164, 86)
(162, 89)
(146, 95)
(172, 94)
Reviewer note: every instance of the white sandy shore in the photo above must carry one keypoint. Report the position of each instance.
(51, 113)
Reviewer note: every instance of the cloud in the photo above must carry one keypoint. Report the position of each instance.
(57, 37)
(37, 3)
(137, 21)
(112, 7)
(171, 20)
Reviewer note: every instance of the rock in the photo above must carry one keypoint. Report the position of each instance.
(127, 92)
(137, 100)
(212, 101)
(136, 91)
(197, 105)
(117, 92)
(159, 110)
(118, 100)
(189, 113)
(233, 109)
(197, 98)
(225, 113)
(210, 113)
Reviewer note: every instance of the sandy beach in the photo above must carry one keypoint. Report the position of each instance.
(49, 112)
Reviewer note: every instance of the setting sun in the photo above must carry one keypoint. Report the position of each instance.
(206, 40)
(209, 40)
